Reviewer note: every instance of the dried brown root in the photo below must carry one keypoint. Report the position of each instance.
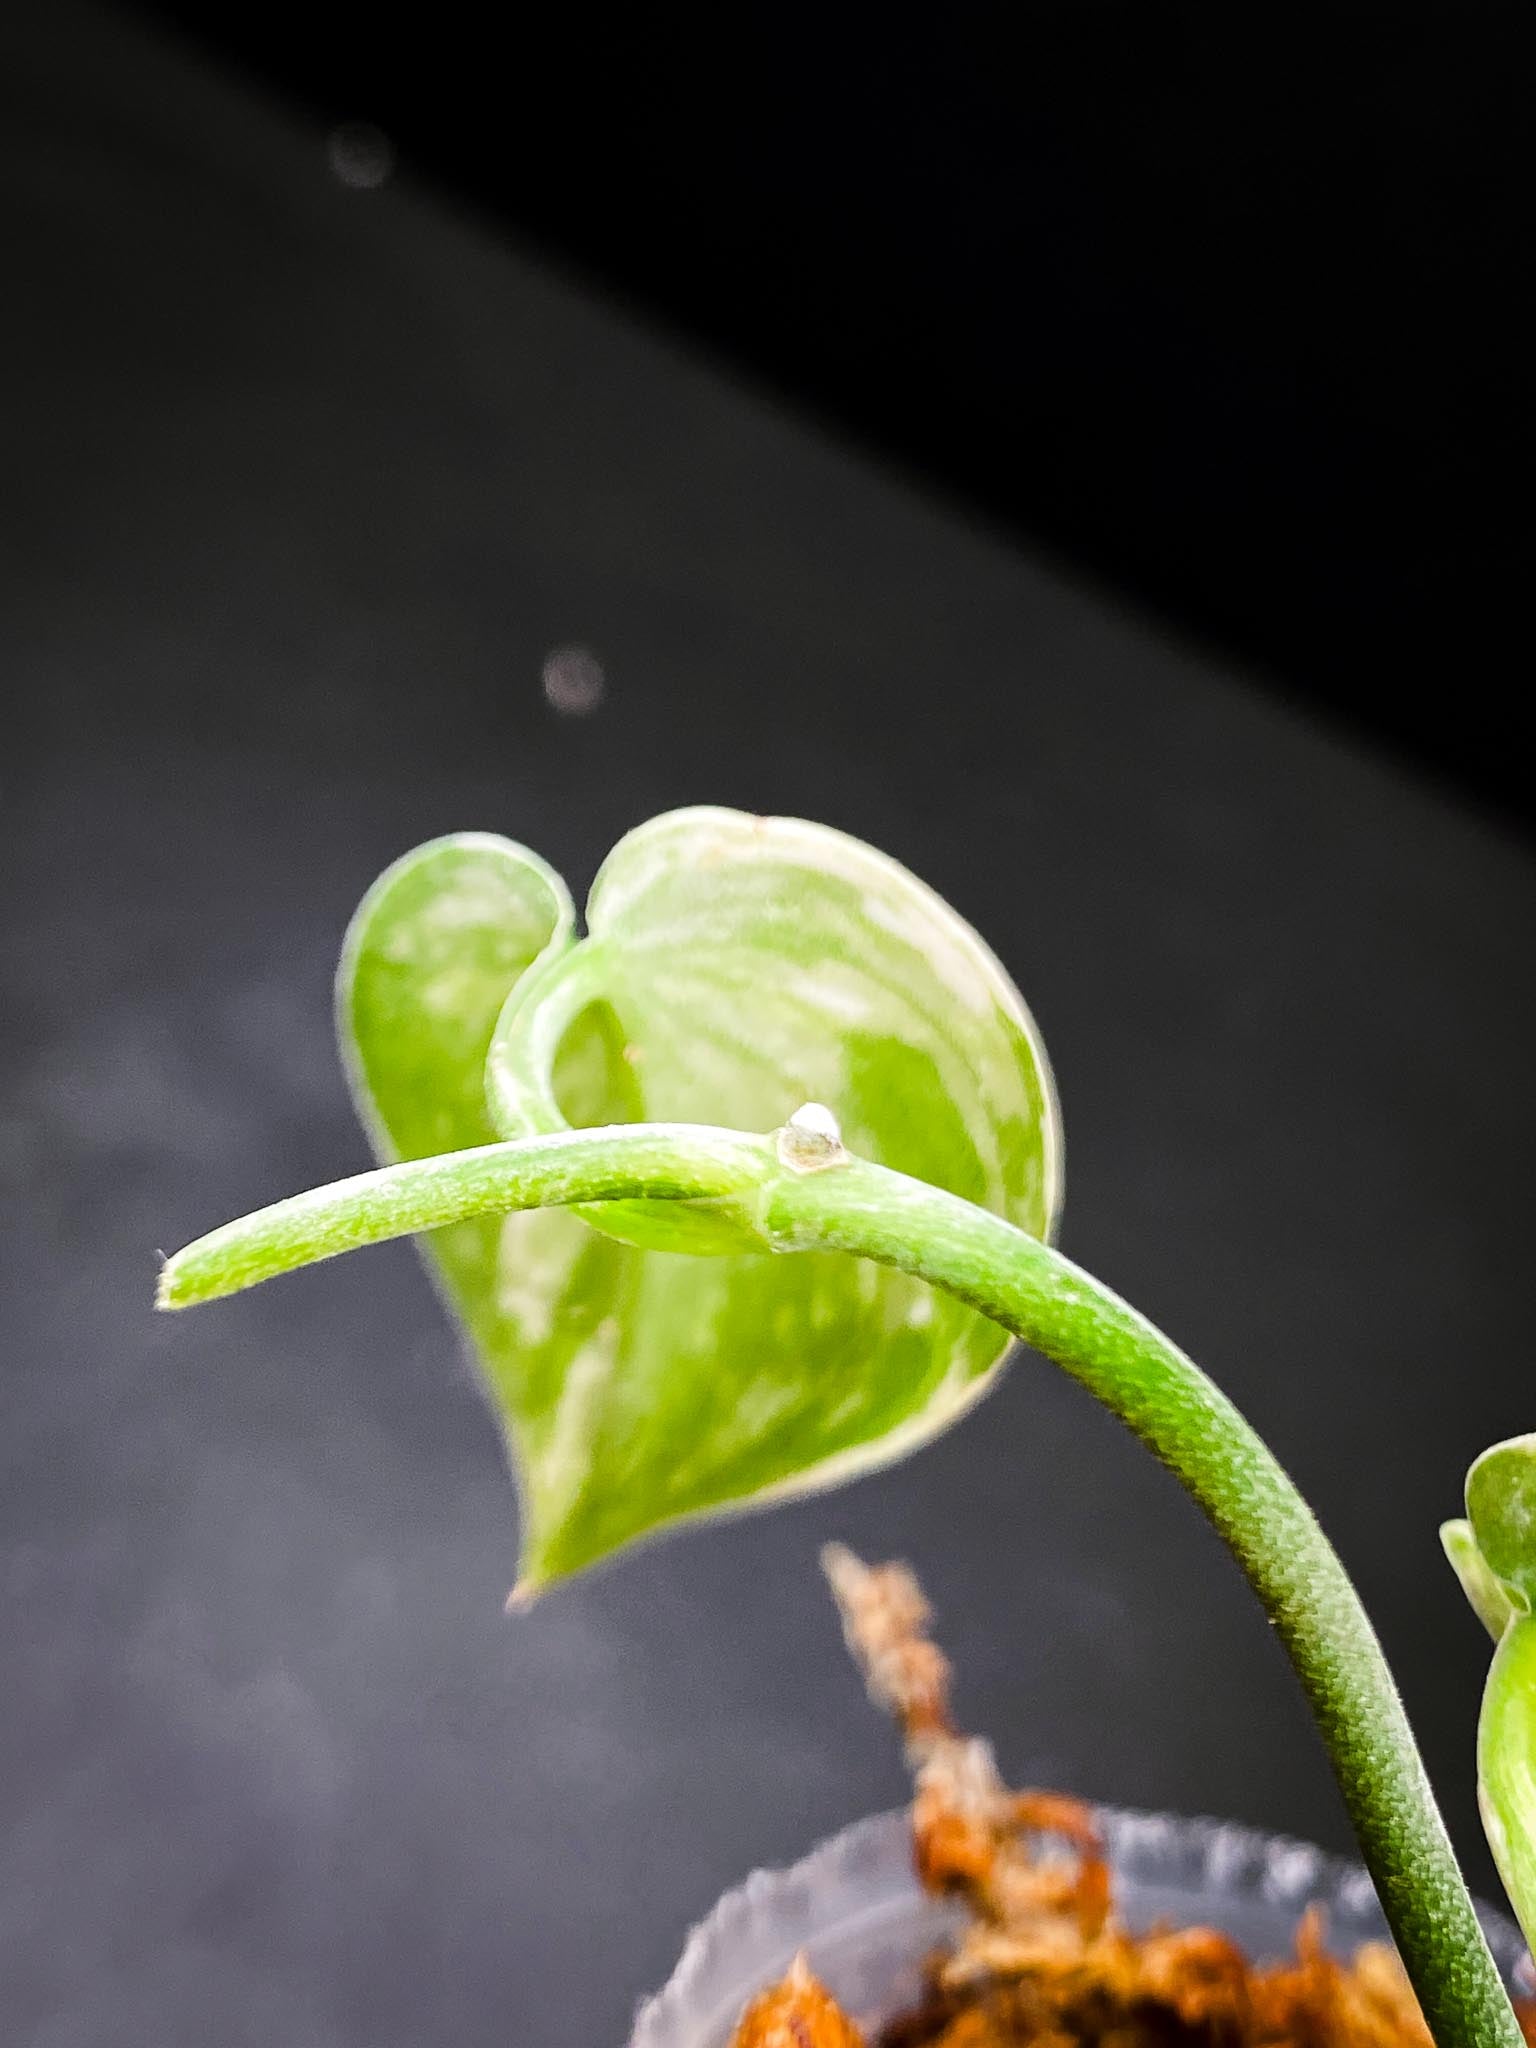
(972, 1837)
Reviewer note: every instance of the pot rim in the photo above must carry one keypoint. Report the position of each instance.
(1195, 1853)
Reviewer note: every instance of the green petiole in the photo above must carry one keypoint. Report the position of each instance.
(801, 1193)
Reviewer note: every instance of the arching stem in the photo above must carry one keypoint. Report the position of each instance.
(665, 1162)
(1120, 1357)
(802, 1192)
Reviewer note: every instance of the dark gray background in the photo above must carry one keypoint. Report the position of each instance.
(1230, 305)
(301, 484)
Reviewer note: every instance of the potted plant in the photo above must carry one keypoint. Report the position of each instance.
(955, 1926)
(778, 1053)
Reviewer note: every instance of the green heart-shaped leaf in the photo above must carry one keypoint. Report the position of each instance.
(1506, 1765)
(735, 969)
(1501, 1507)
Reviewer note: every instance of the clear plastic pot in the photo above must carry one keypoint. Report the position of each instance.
(854, 1908)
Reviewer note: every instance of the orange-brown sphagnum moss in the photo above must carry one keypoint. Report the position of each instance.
(1044, 1961)
(799, 2013)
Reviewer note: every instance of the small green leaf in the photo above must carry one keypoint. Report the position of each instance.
(1506, 1767)
(1501, 1506)
(735, 969)
(1501, 1526)
(1487, 1598)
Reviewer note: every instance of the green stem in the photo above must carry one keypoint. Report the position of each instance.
(1120, 1357)
(799, 1196)
(667, 1162)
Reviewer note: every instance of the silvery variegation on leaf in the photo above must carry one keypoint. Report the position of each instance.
(733, 969)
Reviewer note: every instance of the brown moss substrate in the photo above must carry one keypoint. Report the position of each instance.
(1044, 1961)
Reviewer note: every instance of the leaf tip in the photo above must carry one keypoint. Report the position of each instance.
(523, 1595)
(1490, 1600)
(167, 1293)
